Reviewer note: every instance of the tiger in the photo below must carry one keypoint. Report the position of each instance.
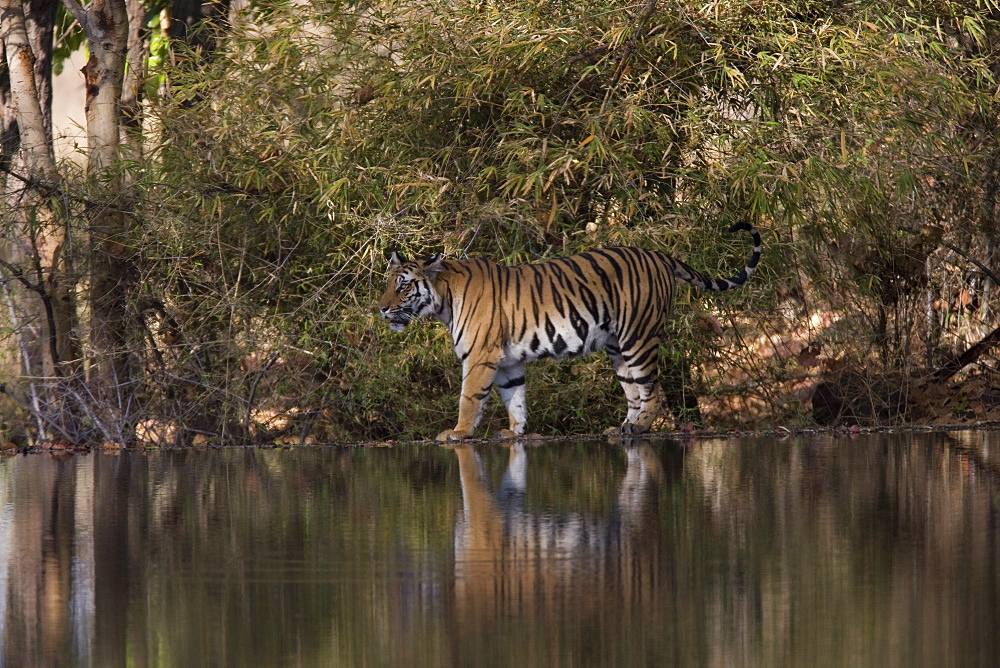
(615, 299)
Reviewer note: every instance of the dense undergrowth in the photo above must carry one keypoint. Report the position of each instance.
(861, 138)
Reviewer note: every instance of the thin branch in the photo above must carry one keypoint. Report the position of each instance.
(39, 415)
(25, 359)
(647, 14)
(976, 350)
(50, 318)
(972, 354)
(602, 49)
(79, 13)
(46, 297)
(253, 389)
(86, 407)
(58, 42)
(986, 270)
(18, 274)
(50, 189)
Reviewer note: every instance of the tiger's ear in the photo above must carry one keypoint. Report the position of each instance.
(396, 260)
(432, 265)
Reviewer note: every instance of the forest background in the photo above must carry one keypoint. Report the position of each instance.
(206, 269)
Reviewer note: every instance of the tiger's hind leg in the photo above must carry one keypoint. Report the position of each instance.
(510, 383)
(637, 373)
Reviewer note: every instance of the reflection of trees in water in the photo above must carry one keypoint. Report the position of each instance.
(718, 552)
(890, 534)
(36, 576)
(91, 538)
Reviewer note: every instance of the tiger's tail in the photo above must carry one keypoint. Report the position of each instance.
(685, 273)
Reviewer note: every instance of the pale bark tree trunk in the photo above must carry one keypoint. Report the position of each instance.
(40, 21)
(38, 157)
(105, 23)
(135, 79)
(35, 261)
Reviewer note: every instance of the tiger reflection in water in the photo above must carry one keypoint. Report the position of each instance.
(510, 561)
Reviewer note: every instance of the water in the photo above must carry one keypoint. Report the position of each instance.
(882, 550)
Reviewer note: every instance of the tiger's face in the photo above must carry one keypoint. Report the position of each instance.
(409, 293)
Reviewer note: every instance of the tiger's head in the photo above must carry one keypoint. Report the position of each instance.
(409, 293)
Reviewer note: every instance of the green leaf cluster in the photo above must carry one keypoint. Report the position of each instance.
(322, 134)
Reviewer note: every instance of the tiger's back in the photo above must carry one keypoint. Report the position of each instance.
(614, 299)
(578, 305)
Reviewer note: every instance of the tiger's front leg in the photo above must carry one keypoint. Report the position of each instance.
(477, 380)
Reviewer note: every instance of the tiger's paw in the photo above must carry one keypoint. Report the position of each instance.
(453, 435)
(626, 429)
(508, 434)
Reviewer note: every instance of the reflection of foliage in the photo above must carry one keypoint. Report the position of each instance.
(320, 515)
(739, 551)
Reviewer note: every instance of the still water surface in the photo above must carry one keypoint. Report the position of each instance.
(882, 550)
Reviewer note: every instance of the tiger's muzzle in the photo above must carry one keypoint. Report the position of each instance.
(397, 320)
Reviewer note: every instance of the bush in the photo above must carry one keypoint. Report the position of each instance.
(860, 138)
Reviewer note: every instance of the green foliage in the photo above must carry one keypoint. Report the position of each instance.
(68, 38)
(323, 134)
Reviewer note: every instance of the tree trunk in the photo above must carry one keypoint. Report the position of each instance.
(135, 79)
(38, 156)
(105, 23)
(40, 21)
(35, 256)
